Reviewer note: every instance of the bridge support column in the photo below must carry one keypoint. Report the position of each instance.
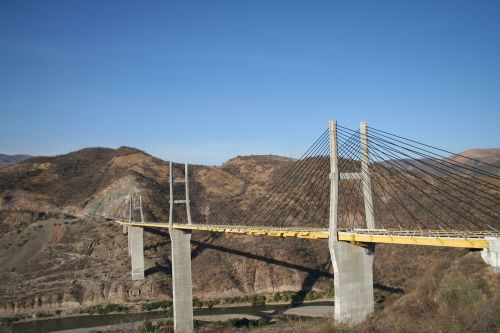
(129, 242)
(181, 281)
(353, 282)
(136, 248)
(126, 232)
(491, 255)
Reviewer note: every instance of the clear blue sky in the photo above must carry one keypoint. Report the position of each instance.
(202, 81)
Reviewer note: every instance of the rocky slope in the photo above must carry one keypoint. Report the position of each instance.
(57, 248)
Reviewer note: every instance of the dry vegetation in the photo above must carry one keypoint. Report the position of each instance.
(55, 252)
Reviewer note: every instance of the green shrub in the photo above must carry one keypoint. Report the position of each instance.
(157, 305)
(237, 323)
(232, 323)
(210, 303)
(330, 292)
(102, 310)
(4, 321)
(258, 300)
(336, 327)
(115, 308)
(459, 290)
(147, 327)
(312, 296)
(262, 322)
(197, 303)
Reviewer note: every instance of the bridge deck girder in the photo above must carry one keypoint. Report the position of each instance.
(445, 238)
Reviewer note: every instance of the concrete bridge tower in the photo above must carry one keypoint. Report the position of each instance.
(181, 260)
(352, 264)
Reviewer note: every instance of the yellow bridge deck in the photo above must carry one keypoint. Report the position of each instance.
(452, 238)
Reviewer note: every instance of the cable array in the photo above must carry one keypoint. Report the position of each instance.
(414, 186)
(296, 181)
(425, 189)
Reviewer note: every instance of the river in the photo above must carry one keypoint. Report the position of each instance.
(88, 321)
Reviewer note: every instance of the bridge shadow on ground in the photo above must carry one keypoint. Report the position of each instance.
(309, 281)
(271, 261)
(156, 232)
(157, 268)
(165, 268)
(307, 285)
(392, 290)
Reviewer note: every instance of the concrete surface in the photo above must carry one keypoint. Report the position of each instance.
(182, 281)
(136, 246)
(353, 282)
(491, 255)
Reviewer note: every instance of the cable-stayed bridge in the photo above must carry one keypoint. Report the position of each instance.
(354, 188)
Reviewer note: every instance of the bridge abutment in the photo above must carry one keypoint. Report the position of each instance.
(353, 281)
(182, 281)
(136, 251)
(491, 255)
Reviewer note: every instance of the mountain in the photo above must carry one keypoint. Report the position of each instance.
(57, 234)
(6, 160)
(59, 247)
(473, 162)
(474, 157)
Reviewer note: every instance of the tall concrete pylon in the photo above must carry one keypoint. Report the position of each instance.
(136, 239)
(182, 281)
(135, 236)
(181, 261)
(365, 176)
(352, 264)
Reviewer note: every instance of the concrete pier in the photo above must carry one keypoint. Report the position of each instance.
(182, 281)
(491, 255)
(129, 243)
(136, 248)
(353, 282)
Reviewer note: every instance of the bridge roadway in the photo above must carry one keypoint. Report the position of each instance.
(452, 238)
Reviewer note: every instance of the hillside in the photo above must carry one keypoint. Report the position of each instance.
(59, 248)
(6, 160)
(53, 214)
(489, 155)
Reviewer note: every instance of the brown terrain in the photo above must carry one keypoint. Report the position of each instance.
(6, 160)
(60, 249)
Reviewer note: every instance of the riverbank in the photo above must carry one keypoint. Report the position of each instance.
(216, 314)
(277, 299)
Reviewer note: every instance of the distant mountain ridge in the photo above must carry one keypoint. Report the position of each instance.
(6, 160)
(478, 157)
(486, 160)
